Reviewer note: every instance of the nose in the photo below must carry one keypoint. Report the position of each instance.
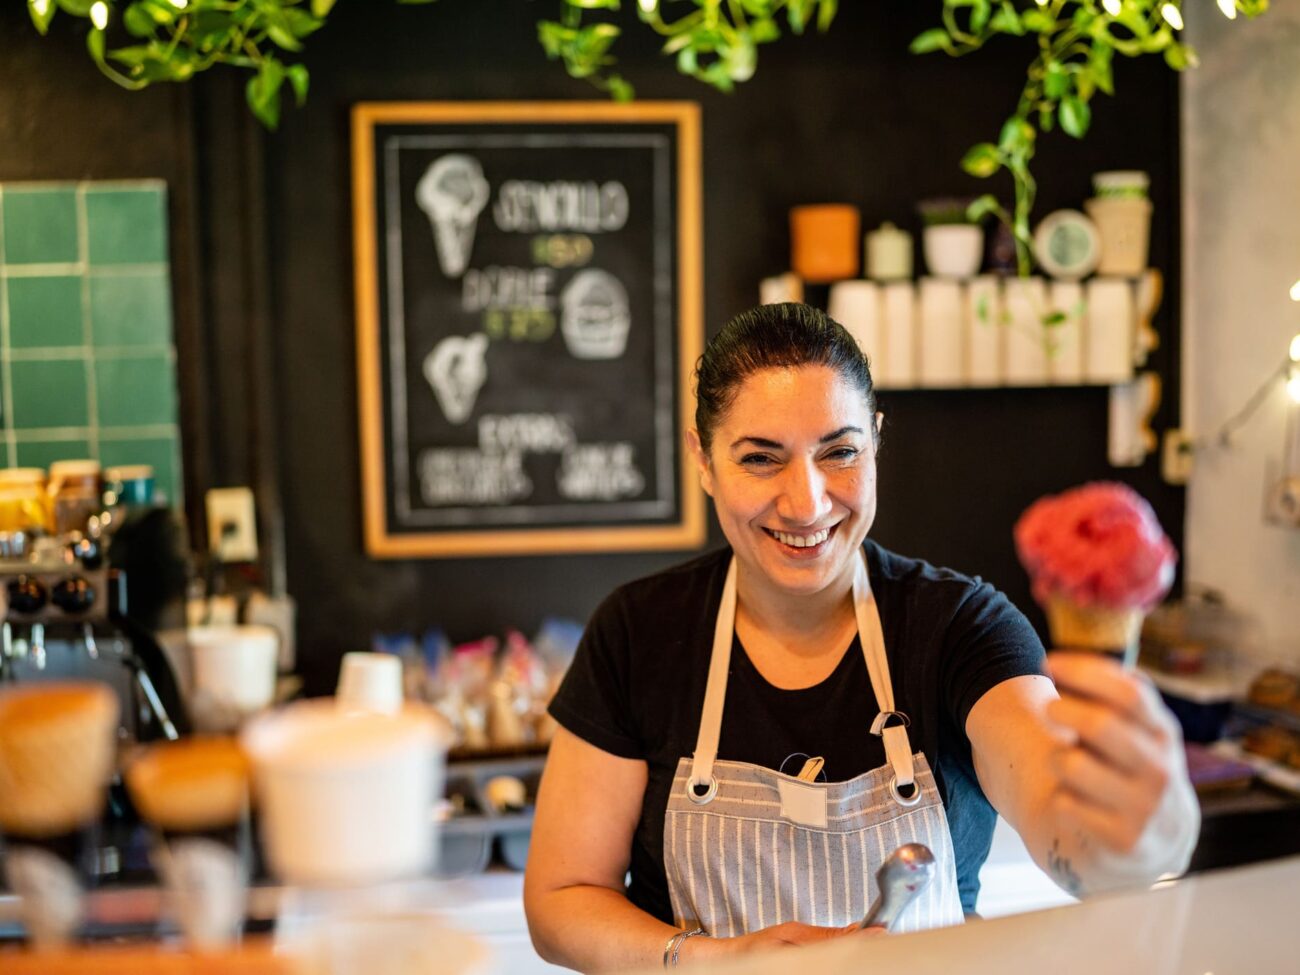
(803, 499)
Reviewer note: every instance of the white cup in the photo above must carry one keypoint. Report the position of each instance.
(346, 797)
(370, 682)
(233, 673)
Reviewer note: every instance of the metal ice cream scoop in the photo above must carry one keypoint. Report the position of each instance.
(906, 873)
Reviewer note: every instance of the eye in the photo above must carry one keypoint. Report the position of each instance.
(757, 460)
(843, 454)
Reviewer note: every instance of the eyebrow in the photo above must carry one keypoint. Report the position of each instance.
(775, 445)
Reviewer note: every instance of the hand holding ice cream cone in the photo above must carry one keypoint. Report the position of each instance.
(1098, 561)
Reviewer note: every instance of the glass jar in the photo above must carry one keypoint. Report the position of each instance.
(75, 493)
(24, 504)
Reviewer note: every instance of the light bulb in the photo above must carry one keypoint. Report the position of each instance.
(1295, 290)
(1112, 7)
(1293, 386)
(1295, 348)
(1173, 16)
(99, 15)
(1229, 8)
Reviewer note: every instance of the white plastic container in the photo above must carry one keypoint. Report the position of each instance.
(234, 670)
(370, 682)
(347, 797)
(855, 304)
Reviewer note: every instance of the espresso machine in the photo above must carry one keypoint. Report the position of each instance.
(68, 615)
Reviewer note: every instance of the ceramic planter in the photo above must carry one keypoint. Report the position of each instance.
(953, 250)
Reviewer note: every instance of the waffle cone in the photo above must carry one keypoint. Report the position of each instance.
(188, 785)
(57, 747)
(1099, 628)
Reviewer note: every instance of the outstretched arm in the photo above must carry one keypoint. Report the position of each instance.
(1090, 772)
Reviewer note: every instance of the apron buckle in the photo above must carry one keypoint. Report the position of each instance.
(907, 802)
(703, 800)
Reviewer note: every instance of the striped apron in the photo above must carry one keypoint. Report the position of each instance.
(746, 847)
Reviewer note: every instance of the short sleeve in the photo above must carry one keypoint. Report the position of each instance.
(593, 700)
(988, 641)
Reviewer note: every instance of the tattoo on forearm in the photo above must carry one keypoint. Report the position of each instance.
(1062, 870)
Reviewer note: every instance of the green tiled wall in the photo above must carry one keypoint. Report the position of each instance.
(87, 362)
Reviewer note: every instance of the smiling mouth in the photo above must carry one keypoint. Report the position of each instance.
(809, 541)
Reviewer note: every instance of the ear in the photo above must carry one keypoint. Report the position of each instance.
(701, 460)
(880, 424)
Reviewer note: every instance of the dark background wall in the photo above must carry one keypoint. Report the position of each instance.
(263, 237)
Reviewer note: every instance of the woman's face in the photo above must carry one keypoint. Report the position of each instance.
(792, 474)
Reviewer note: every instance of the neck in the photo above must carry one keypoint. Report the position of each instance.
(800, 616)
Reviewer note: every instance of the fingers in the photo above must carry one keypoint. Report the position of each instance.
(1103, 785)
(1133, 748)
(1105, 682)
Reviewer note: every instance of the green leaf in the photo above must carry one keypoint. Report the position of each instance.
(1075, 116)
(621, 89)
(1038, 21)
(982, 160)
(1007, 21)
(979, 15)
(300, 80)
(78, 8)
(321, 8)
(283, 38)
(1016, 134)
(594, 4)
(1176, 56)
(1054, 318)
(263, 92)
(1056, 81)
(764, 30)
(981, 207)
(138, 21)
(41, 17)
(934, 39)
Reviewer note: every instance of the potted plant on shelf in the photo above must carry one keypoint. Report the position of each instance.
(952, 242)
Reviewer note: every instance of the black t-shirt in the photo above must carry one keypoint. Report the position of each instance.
(636, 690)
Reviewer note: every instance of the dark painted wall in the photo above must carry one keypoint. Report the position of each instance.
(846, 117)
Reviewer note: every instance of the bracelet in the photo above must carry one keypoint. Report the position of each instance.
(674, 946)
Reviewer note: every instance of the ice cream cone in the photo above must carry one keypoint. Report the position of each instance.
(190, 785)
(1100, 629)
(57, 748)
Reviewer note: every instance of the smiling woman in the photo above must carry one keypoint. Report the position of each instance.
(796, 788)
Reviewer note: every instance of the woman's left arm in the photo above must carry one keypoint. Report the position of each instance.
(1094, 777)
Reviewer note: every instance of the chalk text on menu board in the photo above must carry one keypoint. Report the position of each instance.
(520, 304)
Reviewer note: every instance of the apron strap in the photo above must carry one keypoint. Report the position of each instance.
(898, 749)
(715, 694)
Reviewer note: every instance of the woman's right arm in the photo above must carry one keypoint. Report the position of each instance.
(587, 810)
(579, 916)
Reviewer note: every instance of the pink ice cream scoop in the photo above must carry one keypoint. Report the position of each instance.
(1098, 545)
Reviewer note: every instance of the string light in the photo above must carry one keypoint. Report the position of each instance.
(99, 15)
(1295, 348)
(1173, 16)
(1112, 7)
(1295, 290)
(1229, 8)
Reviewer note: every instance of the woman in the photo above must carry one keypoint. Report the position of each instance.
(705, 698)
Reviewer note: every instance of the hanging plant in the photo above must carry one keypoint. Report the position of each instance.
(714, 41)
(1077, 41)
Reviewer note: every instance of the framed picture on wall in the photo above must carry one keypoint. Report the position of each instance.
(528, 315)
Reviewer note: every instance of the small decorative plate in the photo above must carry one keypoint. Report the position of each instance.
(1067, 245)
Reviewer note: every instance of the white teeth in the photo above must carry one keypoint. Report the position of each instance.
(803, 541)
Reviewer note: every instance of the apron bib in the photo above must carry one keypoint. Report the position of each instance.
(746, 847)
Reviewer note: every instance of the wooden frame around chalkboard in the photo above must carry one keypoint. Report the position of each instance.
(687, 529)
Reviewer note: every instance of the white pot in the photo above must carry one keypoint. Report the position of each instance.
(346, 797)
(953, 250)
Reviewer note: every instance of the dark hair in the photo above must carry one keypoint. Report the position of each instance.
(773, 337)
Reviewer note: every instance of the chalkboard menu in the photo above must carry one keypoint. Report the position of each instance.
(528, 314)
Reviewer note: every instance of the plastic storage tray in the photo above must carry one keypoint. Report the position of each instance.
(468, 839)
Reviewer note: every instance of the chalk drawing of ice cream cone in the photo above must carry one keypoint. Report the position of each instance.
(457, 369)
(452, 193)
